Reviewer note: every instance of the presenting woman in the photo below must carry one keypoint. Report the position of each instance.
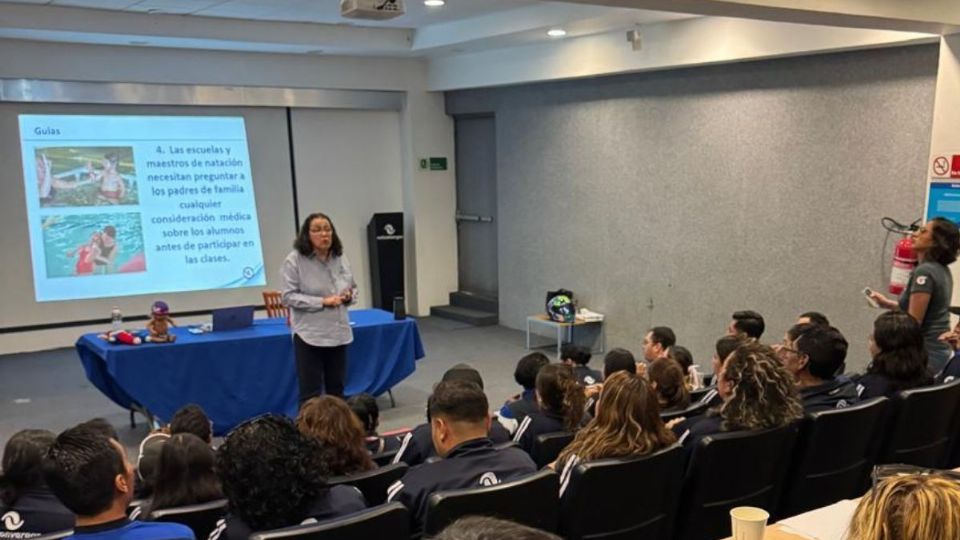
(317, 287)
(930, 288)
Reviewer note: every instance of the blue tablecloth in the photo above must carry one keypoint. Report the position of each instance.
(238, 374)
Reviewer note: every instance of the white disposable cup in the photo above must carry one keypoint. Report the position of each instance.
(748, 522)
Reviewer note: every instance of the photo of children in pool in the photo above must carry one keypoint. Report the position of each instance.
(86, 176)
(93, 244)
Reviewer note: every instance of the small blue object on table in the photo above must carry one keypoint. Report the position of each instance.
(238, 374)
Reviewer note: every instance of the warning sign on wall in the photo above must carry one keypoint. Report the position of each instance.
(945, 166)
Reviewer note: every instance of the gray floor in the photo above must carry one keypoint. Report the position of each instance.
(49, 389)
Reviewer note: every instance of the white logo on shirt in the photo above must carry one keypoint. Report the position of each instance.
(12, 521)
(489, 479)
(921, 280)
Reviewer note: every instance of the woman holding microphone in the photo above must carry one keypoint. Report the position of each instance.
(318, 286)
(930, 288)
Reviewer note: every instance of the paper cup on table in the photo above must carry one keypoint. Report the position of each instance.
(748, 522)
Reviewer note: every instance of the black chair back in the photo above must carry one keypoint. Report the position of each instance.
(385, 522)
(742, 468)
(697, 395)
(373, 484)
(384, 458)
(531, 500)
(547, 446)
(695, 409)
(595, 503)
(922, 428)
(834, 455)
(201, 518)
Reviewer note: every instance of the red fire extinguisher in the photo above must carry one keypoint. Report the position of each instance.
(904, 261)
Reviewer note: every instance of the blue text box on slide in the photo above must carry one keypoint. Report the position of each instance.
(943, 200)
(125, 205)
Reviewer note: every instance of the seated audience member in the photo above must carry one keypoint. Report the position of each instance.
(91, 475)
(191, 419)
(365, 407)
(519, 406)
(101, 426)
(561, 402)
(951, 370)
(657, 343)
(184, 474)
(899, 357)
(757, 393)
(668, 381)
(273, 477)
(24, 496)
(577, 357)
(147, 457)
(627, 424)
(489, 528)
(330, 422)
(722, 349)
(616, 360)
(908, 507)
(813, 317)
(459, 423)
(814, 354)
(746, 324)
(685, 359)
(417, 446)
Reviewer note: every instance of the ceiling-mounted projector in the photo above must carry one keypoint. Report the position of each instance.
(378, 10)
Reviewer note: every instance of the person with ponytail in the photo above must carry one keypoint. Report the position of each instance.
(561, 402)
(27, 505)
(667, 378)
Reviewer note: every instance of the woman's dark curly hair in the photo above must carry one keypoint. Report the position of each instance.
(764, 392)
(330, 422)
(303, 244)
(23, 463)
(903, 355)
(946, 241)
(270, 472)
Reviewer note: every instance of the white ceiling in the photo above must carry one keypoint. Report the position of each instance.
(311, 26)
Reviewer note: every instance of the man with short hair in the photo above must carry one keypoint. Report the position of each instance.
(577, 357)
(519, 406)
(192, 419)
(657, 343)
(815, 357)
(417, 445)
(813, 317)
(459, 423)
(91, 475)
(746, 323)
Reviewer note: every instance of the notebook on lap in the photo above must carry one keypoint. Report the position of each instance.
(232, 318)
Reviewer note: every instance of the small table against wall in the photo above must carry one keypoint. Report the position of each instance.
(567, 328)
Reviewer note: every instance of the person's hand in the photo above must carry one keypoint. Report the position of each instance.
(674, 422)
(881, 299)
(334, 300)
(641, 370)
(592, 390)
(950, 338)
(347, 296)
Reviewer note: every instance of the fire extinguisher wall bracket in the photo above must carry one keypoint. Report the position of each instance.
(904, 261)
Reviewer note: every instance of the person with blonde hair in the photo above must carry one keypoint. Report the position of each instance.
(329, 421)
(627, 424)
(757, 393)
(909, 507)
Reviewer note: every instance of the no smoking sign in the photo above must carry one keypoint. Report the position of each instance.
(946, 166)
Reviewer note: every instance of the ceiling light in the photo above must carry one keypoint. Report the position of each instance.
(434, 3)
(556, 32)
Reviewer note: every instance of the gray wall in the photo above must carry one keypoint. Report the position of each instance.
(676, 197)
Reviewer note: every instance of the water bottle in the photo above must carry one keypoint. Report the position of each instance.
(696, 378)
(116, 319)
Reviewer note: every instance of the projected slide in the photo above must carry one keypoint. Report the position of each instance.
(123, 205)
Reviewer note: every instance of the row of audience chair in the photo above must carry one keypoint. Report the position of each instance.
(826, 457)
